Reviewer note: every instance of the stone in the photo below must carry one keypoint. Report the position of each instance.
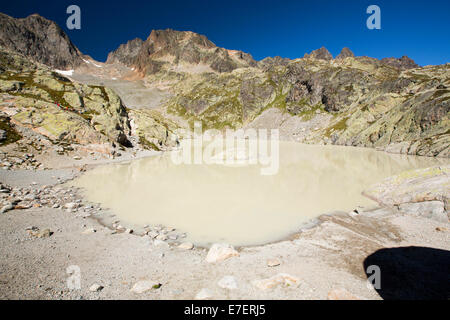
(220, 251)
(89, 231)
(40, 234)
(273, 262)
(153, 234)
(228, 282)
(161, 237)
(186, 246)
(429, 184)
(144, 286)
(71, 205)
(428, 209)
(204, 294)
(279, 279)
(341, 294)
(7, 208)
(95, 288)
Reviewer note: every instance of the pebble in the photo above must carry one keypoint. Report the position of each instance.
(186, 246)
(144, 286)
(71, 205)
(95, 288)
(161, 237)
(273, 262)
(89, 231)
(220, 252)
(40, 234)
(153, 234)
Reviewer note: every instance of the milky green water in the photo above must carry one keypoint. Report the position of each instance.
(236, 204)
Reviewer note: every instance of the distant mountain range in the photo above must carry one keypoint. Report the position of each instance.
(44, 41)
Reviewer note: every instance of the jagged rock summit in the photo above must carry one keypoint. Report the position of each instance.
(168, 46)
(322, 54)
(345, 53)
(126, 53)
(401, 63)
(39, 39)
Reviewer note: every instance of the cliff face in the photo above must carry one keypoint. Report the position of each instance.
(39, 39)
(126, 53)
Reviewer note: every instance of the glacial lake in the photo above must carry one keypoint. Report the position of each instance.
(236, 204)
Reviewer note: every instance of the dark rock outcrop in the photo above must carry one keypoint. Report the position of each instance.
(126, 53)
(39, 39)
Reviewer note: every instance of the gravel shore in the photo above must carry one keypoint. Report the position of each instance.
(326, 261)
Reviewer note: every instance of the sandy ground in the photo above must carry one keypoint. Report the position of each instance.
(326, 257)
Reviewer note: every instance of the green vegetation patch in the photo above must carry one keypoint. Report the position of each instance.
(11, 134)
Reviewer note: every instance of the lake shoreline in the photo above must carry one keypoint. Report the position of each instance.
(325, 258)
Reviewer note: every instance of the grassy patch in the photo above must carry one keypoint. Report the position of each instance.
(341, 125)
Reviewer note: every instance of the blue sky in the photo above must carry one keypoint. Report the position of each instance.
(419, 29)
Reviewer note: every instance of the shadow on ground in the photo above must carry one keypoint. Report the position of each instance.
(412, 273)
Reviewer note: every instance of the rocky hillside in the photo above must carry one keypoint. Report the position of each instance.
(356, 101)
(44, 110)
(390, 104)
(39, 39)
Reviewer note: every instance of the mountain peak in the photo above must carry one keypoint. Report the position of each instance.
(345, 53)
(165, 47)
(40, 39)
(322, 54)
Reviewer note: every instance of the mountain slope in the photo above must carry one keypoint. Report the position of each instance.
(348, 101)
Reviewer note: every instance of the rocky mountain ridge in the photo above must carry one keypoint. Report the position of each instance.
(40, 39)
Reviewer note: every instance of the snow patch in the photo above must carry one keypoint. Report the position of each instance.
(65, 72)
